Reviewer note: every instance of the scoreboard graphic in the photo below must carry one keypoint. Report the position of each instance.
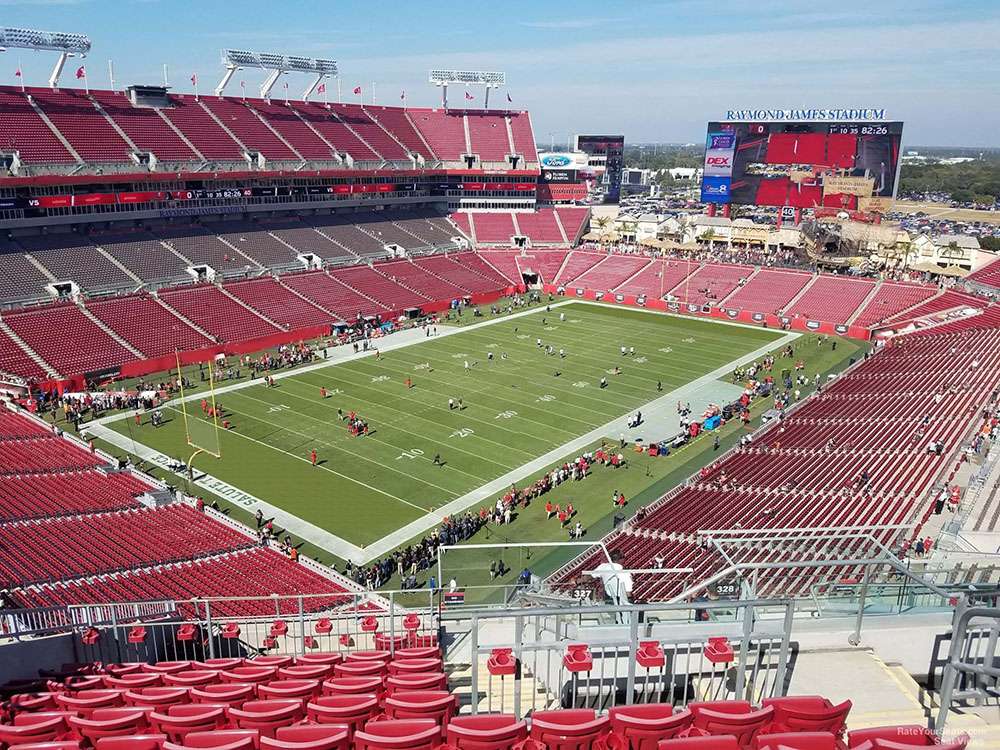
(842, 165)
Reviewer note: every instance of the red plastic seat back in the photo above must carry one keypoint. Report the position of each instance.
(222, 737)
(240, 743)
(266, 716)
(353, 711)
(59, 745)
(110, 722)
(232, 694)
(742, 726)
(398, 734)
(360, 669)
(159, 697)
(905, 734)
(439, 705)
(133, 742)
(416, 681)
(795, 741)
(353, 686)
(789, 717)
(568, 729)
(306, 737)
(641, 726)
(708, 742)
(41, 727)
(486, 732)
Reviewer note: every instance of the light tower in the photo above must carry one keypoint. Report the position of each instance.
(67, 44)
(278, 65)
(487, 79)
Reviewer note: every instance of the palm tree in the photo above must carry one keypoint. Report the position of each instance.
(602, 221)
(708, 236)
(952, 251)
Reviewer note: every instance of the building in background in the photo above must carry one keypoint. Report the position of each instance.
(606, 156)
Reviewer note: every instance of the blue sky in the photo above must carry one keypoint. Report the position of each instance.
(652, 70)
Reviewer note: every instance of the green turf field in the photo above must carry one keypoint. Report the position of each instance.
(515, 409)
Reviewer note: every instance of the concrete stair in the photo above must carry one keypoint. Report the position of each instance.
(497, 695)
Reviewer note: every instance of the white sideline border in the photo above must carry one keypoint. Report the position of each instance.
(361, 555)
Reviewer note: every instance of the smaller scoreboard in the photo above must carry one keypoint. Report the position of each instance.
(842, 165)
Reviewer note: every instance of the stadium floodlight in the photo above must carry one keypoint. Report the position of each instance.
(278, 64)
(67, 44)
(486, 78)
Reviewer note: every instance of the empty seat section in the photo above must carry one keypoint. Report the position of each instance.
(396, 121)
(73, 258)
(612, 272)
(574, 221)
(769, 291)
(14, 360)
(67, 339)
(147, 325)
(546, 263)
(355, 117)
(32, 551)
(247, 573)
(658, 278)
(44, 453)
(378, 287)
(832, 299)
(892, 299)
(988, 274)
(257, 242)
(216, 313)
(461, 220)
(505, 262)
(60, 493)
(205, 133)
(244, 123)
(278, 303)
(488, 135)
(20, 279)
(333, 295)
(380, 225)
(443, 131)
(493, 228)
(86, 129)
(524, 138)
(342, 230)
(308, 240)
(577, 263)
(24, 131)
(335, 132)
(464, 270)
(302, 138)
(145, 127)
(710, 283)
(414, 276)
(540, 226)
(201, 245)
(146, 257)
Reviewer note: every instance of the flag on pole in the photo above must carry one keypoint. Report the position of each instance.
(19, 75)
(286, 92)
(194, 79)
(402, 95)
(509, 100)
(321, 89)
(81, 72)
(357, 90)
(469, 97)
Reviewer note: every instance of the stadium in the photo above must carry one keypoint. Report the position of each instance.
(328, 424)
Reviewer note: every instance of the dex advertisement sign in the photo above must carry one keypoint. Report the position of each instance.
(719, 162)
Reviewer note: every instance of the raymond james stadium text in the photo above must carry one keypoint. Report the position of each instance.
(805, 114)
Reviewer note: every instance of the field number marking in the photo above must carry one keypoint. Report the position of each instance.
(546, 397)
(410, 454)
(506, 415)
(463, 432)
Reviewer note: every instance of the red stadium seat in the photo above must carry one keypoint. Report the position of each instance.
(795, 741)
(305, 737)
(133, 742)
(167, 667)
(33, 701)
(417, 652)
(416, 681)
(276, 661)
(807, 713)
(399, 734)
(179, 721)
(37, 727)
(299, 689)
(238, 743)
(641, 726)
(360, 669)
(267, 716)
(222, 737)
(232, 694)
(354, 711)
(249, 674)
(415, 665)
(486, 732)
(439, 705)
(354, 685)
(708, 742)
(85, 702)
(157, 697)
(61, 745)
(110, 722)
(133, 680)
(305, 672)
(319, 657)
(568, 729)
(191, 678)
(375, 655)
(219, 664)
(727, 720)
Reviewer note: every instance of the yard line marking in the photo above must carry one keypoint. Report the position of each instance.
(372, 438)
(411, 415)
(337, 448)
(324, 468)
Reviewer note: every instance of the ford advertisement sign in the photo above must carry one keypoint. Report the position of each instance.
(557, 161)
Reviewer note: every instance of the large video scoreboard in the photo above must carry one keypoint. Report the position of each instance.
(842, 165)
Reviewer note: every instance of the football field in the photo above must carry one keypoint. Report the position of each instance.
(515, 407)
